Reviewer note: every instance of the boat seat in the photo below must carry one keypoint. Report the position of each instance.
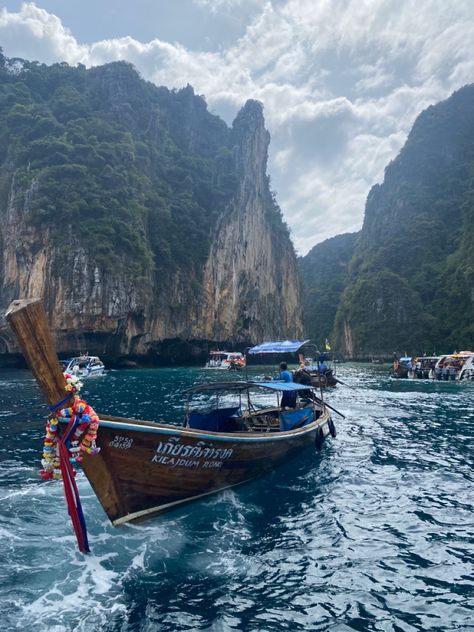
(219, 420)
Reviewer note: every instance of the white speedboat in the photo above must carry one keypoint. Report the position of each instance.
(230, 360)
(83, 366)
(456, 366)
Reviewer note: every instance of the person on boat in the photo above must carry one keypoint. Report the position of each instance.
(288, 400)
(285, 375)
(418, 372)
(303, 376)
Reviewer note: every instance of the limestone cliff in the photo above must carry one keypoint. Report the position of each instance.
(251, 279)
(324, 272)
(180, 244)
(410, 287)
(405, 282)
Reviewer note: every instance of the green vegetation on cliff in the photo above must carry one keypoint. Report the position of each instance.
(323, 276)
(137, 215)
(138, 173)
(410, 284)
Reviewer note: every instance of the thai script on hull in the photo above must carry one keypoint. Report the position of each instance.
(173, 447)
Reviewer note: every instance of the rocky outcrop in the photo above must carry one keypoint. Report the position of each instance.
(324, 273)
(244, 290)
(251, 279)
(405, 282)
(411, 279)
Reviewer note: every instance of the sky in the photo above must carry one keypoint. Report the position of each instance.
(341, 81)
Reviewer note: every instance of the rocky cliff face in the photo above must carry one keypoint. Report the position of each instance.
(410, 286)
(241, 289)
(324, 272)
(251, 279)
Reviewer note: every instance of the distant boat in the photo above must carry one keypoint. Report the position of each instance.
(423, 368)
(229, 360)
(313, 370)
(322, 373)
(455, 367)
(145, 468)
(83, 366)
(402, 366)
(450, 367)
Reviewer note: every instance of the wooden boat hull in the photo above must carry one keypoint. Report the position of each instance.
(144, 469)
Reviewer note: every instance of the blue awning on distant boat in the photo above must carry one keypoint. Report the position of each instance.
(280, 346)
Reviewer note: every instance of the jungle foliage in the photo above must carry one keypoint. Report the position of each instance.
(134, 172)
(409, 286)
(323, 277)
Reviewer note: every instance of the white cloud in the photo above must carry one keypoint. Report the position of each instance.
(341, 81)
(33, 32)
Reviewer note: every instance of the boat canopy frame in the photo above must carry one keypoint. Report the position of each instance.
(279, 346)
(274, 385)
(242, 389)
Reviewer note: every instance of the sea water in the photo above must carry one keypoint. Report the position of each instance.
(375, 532)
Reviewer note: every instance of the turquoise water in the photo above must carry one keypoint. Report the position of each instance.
(376, 532)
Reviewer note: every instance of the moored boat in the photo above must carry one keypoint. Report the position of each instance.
(402, 366)
(315, 371)
(456, 366)
(466, 369)
(139, 468)
(423, 367)
(83, 366)
(228, 360)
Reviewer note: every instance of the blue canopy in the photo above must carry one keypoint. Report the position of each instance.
(275, 385)
(280, 346)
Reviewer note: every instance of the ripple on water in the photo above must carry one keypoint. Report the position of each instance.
(374, 533)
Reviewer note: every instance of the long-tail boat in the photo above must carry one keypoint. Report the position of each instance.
(141, 468)
(314, 370)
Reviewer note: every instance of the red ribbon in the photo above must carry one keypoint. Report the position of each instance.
(71, 492)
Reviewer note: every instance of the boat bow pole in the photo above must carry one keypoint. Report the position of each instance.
(29, 323)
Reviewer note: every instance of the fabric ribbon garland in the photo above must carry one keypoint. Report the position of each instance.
(61, 451)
